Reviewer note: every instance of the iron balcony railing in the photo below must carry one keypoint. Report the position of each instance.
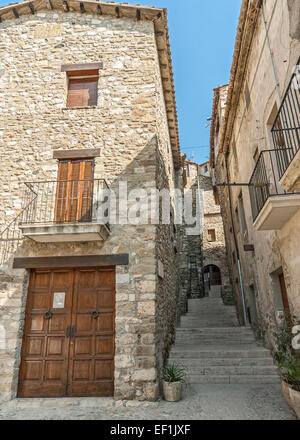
(66, 202)
(56, 202)
(264, 181)
(286, 128)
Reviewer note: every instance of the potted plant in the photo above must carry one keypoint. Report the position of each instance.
(288, 360)
(291, 375)
(173, 377)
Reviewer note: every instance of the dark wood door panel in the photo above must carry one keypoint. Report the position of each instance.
(71, 352)
(91, 367)
(43, 371)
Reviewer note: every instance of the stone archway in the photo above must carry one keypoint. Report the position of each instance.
(212, 275)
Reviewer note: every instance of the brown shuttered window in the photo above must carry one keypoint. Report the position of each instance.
(74, 194)
(82, 88)
(82, 92)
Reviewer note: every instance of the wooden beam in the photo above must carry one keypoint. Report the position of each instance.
(76, 154)
(74, 261)
(31, 7)
(16, 14)
(87, 66)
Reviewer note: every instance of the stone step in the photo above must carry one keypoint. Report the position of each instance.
(195, 318)
(209, 324)
(206, 342)
(211, 311)
(62, 402)
(235, 379)
(210, 319)
(214, 339)
(186, 352)
(232, 370)
(210, 308)
(219, 331)
(202, 313)
(223, 362)
(202, 301)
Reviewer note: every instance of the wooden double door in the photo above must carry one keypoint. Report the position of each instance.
(68, 342)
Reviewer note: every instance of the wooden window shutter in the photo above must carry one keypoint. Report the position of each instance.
(82, 92)
(74, 195)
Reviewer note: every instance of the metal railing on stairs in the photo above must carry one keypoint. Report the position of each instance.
(11, 237)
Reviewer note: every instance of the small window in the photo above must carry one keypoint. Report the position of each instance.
(82, 88)
(211, 235)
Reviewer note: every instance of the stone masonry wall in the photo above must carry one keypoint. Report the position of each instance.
(214, 253)
(167, 277)
(190, 252)
(34, 121)
(274, 251)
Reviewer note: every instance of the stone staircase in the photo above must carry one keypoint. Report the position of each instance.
(215, 349)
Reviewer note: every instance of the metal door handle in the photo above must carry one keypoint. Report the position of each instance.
(72, 331)
(68, 331)
(95, 314)
(48, 314)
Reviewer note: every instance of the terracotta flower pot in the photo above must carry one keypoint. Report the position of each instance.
(286, 393)
(295, 398)
(172, 391)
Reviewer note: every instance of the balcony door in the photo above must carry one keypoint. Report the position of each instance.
(74, 192)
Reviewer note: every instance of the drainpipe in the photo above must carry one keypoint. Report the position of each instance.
(201, 229)
(236, 246)
(270, 50)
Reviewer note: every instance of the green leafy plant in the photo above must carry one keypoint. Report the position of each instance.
(283, 341)
(287, 359)
(291, 372)
(174, 373)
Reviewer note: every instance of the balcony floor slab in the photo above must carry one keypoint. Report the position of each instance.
(65, 232)
(277, 211)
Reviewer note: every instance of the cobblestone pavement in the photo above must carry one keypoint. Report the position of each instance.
(201, 402)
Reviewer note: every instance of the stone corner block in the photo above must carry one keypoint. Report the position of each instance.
(144, 375)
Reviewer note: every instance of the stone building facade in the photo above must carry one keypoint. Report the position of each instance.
(254, 157)
(215, 265)
(203, 257)
(131, 135)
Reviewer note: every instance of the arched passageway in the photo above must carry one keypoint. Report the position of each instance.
(212, 275)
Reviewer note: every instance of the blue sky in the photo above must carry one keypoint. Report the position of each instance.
(202, 36)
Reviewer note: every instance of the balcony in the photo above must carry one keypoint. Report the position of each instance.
(65, 211)
(272, 206)
(286, 135)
